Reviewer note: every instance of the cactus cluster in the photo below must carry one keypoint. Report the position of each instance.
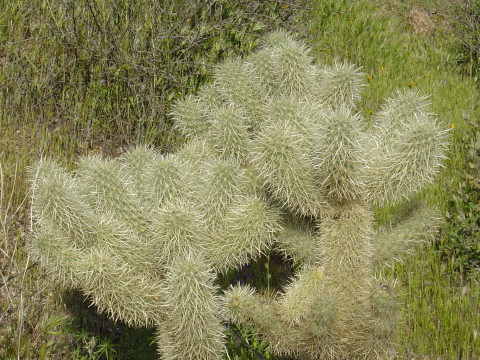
(277, 157)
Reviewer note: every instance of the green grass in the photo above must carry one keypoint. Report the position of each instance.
(62, 94)
(442, 309)
(440, 291)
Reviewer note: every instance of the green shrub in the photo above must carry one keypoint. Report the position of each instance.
(109, 70)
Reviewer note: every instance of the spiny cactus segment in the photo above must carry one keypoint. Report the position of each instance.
(278, 158)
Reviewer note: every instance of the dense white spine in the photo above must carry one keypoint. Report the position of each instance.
(277, 158)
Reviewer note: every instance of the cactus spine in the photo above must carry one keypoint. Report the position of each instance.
(277, 158)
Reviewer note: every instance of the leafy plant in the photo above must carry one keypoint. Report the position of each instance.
(460, 238)
(467, 30)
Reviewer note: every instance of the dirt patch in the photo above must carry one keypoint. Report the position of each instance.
(421, 22)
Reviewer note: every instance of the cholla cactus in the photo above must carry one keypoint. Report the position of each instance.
(277, 157)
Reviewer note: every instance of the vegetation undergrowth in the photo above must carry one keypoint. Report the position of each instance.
(408, 44)
(78, 77)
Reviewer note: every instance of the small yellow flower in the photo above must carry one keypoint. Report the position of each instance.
(319, 272)
(369, 78)
(370, 111)
(452, 126)
(383, 68)
(410, 84)
(235, 302)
